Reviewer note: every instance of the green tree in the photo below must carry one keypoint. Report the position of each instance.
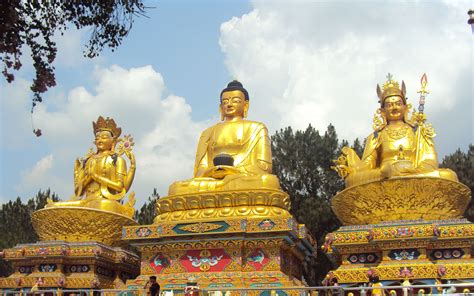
(15, 223)
(147, 212)
(302, 161)
(463, 164)
(34, 23)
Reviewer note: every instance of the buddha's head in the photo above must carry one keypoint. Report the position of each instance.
(106, 134)
(393, 102)
(234, 101)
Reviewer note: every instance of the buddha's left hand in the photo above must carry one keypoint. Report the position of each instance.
(219, 172)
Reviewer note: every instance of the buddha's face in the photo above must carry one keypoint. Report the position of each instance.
(104, 141)
(233, 104)
(394, 108)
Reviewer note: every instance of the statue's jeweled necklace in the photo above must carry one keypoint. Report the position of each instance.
(397, 133)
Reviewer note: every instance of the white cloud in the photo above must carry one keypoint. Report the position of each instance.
(319, 62)
(39, 174)
(164, 133)
(70, 47)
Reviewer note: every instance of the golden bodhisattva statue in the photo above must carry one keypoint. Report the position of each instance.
(232, 171)
(101, 179)
(233, 154)
(96, 211)
(398, 176)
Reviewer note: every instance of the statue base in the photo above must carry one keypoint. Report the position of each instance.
(223, 204)
(69, 265)
(421, 251)
(401, 198)
(79, 224)
(235, 251)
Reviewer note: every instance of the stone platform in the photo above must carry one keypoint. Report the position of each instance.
(232, 252)
(69, 265)
(421, 251)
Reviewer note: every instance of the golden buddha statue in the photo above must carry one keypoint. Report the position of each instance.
(233, 154)
(232, 171)
(398, 177)
(399, 146)
(101, 179)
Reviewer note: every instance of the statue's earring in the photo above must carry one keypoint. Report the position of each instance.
(382, 115)
(379, 121)
(407, 113)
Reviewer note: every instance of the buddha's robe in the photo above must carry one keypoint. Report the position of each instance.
(249, 145)
(382, 152)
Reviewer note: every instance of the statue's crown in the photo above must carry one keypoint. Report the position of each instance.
(107, 124)
(391, 88)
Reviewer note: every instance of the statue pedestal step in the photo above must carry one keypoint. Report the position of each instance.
(421, 251)
(69, 265)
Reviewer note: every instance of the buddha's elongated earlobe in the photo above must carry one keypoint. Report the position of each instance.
(246, 109)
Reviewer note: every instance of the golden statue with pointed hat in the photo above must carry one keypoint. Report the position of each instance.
(398, 177)
(101, 181)
(399, 146)
(233, 165)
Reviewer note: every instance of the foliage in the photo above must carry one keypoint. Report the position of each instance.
(463, 164)
(15, 222)
(34, 23)
(302, 161)
(148, 211)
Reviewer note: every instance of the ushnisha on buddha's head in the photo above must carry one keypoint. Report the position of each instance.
(393, 102)
(106, 134)
(234, 102)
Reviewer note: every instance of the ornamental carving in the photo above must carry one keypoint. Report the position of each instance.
(401, 199)
(73, 224)
(222, 204)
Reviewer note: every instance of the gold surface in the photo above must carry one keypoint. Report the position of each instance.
(64, 254)
(101, 179)
(420, 270)
(401, 198)
(398, 177)
(247, 142)
(399, 146)
(250, 203)
(74, 224)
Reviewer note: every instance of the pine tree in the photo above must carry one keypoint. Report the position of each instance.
(463, 164)
(302, 161)
(15, 223)
(148, 211)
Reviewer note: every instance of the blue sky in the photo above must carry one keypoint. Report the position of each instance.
(302, 62)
